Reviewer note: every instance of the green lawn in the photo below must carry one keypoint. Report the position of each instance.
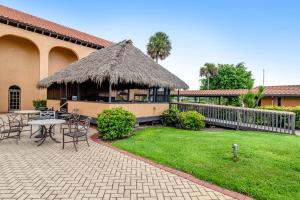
(268, 165)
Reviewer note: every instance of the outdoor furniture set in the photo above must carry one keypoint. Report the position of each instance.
(22, 121)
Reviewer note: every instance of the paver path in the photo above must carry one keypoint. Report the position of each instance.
(95, 172)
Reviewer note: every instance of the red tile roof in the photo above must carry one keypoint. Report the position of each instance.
(28, 19)
(210, 92)
(289, 90)
(279, 90)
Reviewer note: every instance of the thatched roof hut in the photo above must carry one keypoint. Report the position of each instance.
(121, 63)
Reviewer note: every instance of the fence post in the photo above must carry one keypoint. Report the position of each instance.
(293, 122)
(237, 119)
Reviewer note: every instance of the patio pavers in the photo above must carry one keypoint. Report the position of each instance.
(95, 172)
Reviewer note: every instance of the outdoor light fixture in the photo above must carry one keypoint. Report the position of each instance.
(235, 151)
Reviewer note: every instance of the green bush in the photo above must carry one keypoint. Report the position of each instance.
(115, 123)
(295, 110)
(191, 120)
(170, 117)
(38, 103)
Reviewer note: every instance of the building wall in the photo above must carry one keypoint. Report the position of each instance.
(285, 101)
(26, 57)
(138, 109)
(19, 65)
(59, 58)
(290, 101)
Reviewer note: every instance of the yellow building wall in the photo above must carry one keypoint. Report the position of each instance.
(285, 101)
(19, 65)
(138, 109)
(28, 58)
(290, 101)
(59, 58)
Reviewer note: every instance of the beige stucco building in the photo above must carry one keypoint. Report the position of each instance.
(31, 49)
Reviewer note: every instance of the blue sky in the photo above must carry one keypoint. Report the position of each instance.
(261, 33)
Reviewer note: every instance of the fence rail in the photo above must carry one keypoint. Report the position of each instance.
(243, 118)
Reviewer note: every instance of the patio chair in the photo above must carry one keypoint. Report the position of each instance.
(47, 115)
(8, 131)
(71, 120)
(78, 132)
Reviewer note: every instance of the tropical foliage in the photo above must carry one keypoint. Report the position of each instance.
(170, 117)
(208, 70)
(251, 99)
(115, 123)
(229, 76)
(191, 120)
(39, 103)
(159, 46)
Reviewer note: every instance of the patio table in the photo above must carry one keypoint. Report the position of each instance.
(47, 131)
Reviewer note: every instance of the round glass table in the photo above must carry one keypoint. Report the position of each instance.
(47, 126)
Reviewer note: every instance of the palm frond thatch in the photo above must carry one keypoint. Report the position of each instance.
(119, 63)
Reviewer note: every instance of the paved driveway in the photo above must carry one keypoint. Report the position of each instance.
(95, 172)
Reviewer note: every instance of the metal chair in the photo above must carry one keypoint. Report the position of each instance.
(9, 130)
(71, 119)
(47, 115)
(78, 132)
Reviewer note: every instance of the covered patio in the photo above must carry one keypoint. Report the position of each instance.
(110, 78)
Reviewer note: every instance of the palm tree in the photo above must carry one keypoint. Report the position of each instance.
(208, 70)
(251, 99)
(159, 46)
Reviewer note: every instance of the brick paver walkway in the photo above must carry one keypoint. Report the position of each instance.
(95, 172)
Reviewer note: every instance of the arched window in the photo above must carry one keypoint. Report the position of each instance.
(14, 98)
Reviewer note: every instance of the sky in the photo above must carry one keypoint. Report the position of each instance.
(264, 34)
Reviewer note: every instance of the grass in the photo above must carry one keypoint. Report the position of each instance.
(268, 166)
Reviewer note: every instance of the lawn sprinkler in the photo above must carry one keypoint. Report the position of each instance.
(235, 151)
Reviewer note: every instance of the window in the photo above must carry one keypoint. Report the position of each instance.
(14, 98)
(279, 101)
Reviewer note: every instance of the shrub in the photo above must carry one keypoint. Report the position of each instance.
(191, 120)
(115, 123)
(295, 110)
(170, 117)
(38, 103)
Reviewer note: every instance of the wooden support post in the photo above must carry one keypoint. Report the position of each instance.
(169, 93)
(149, 95)
(78, 92)
(66, 91)
(60, 94)
(128, 94)
(109, 92)
(165, 95)
(178, 95)
(155, 94)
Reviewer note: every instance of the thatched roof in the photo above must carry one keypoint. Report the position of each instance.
(119, 63)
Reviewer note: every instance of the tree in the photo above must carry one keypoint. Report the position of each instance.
(251, 99)
(229, 76)
(208, 70)
(159, 46)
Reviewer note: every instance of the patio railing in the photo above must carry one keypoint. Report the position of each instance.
(243, 118)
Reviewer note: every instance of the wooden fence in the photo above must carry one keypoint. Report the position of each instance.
(243, 118)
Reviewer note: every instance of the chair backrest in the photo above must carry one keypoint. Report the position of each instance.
(85, 125)
(2, 125)
(47, 115)
(74, 115)
(13, 118)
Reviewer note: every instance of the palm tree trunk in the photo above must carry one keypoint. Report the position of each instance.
(208, 83)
